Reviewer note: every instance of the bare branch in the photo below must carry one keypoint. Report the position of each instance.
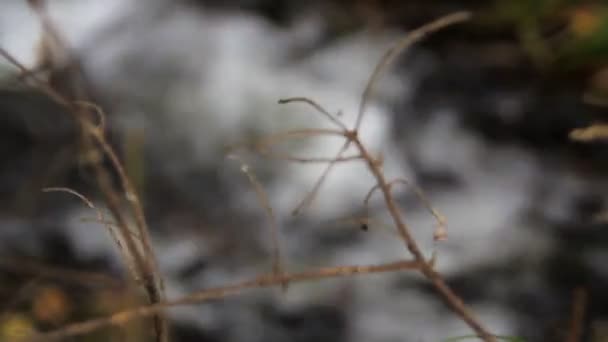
(311, 160)
(427, 269)
(123, 317)
(389, 57)
(145, 265)
(316, 106)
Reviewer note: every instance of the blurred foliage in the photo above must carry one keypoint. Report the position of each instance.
(560, 33)
(51, 305)
(16, 326)
(560, 36)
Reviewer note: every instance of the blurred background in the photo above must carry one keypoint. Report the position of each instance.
(478, 115)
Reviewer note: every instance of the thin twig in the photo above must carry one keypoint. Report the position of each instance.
(100, 114)
(273, 139)
(123, 317)
(111, 227)
(452, 299)
(277, 264)
(389, 57)
(308, 160)
(146, 268)
(440, 233)
(310, 196)
(316, 106)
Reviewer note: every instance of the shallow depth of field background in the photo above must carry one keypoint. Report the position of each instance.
(478, 115)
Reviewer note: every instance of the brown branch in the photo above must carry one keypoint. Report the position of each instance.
(277, 264)
(145, 266)
(100, 219)
(218, 293)
(375, 167)
(453, 300)
(145, 263)
(316, 106)
(389, 57)
(313, 193)
(440, 233)
(308, 160)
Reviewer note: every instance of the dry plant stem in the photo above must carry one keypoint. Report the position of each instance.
(313, 193)
(40, 9)
(389, 57)
(303, 160)
(109, 223)
(111, 227)
(221, 292)
(274, 139)
(376, 169)
(277, 265)
(144, 265)
(441, 221)
(440, 285)
(318, 107)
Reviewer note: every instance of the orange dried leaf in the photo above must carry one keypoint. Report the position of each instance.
(51, 305)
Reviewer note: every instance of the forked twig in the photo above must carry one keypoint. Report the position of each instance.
(375, 167)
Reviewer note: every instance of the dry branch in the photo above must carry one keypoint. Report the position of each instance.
(96, 147)
(123, 317)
